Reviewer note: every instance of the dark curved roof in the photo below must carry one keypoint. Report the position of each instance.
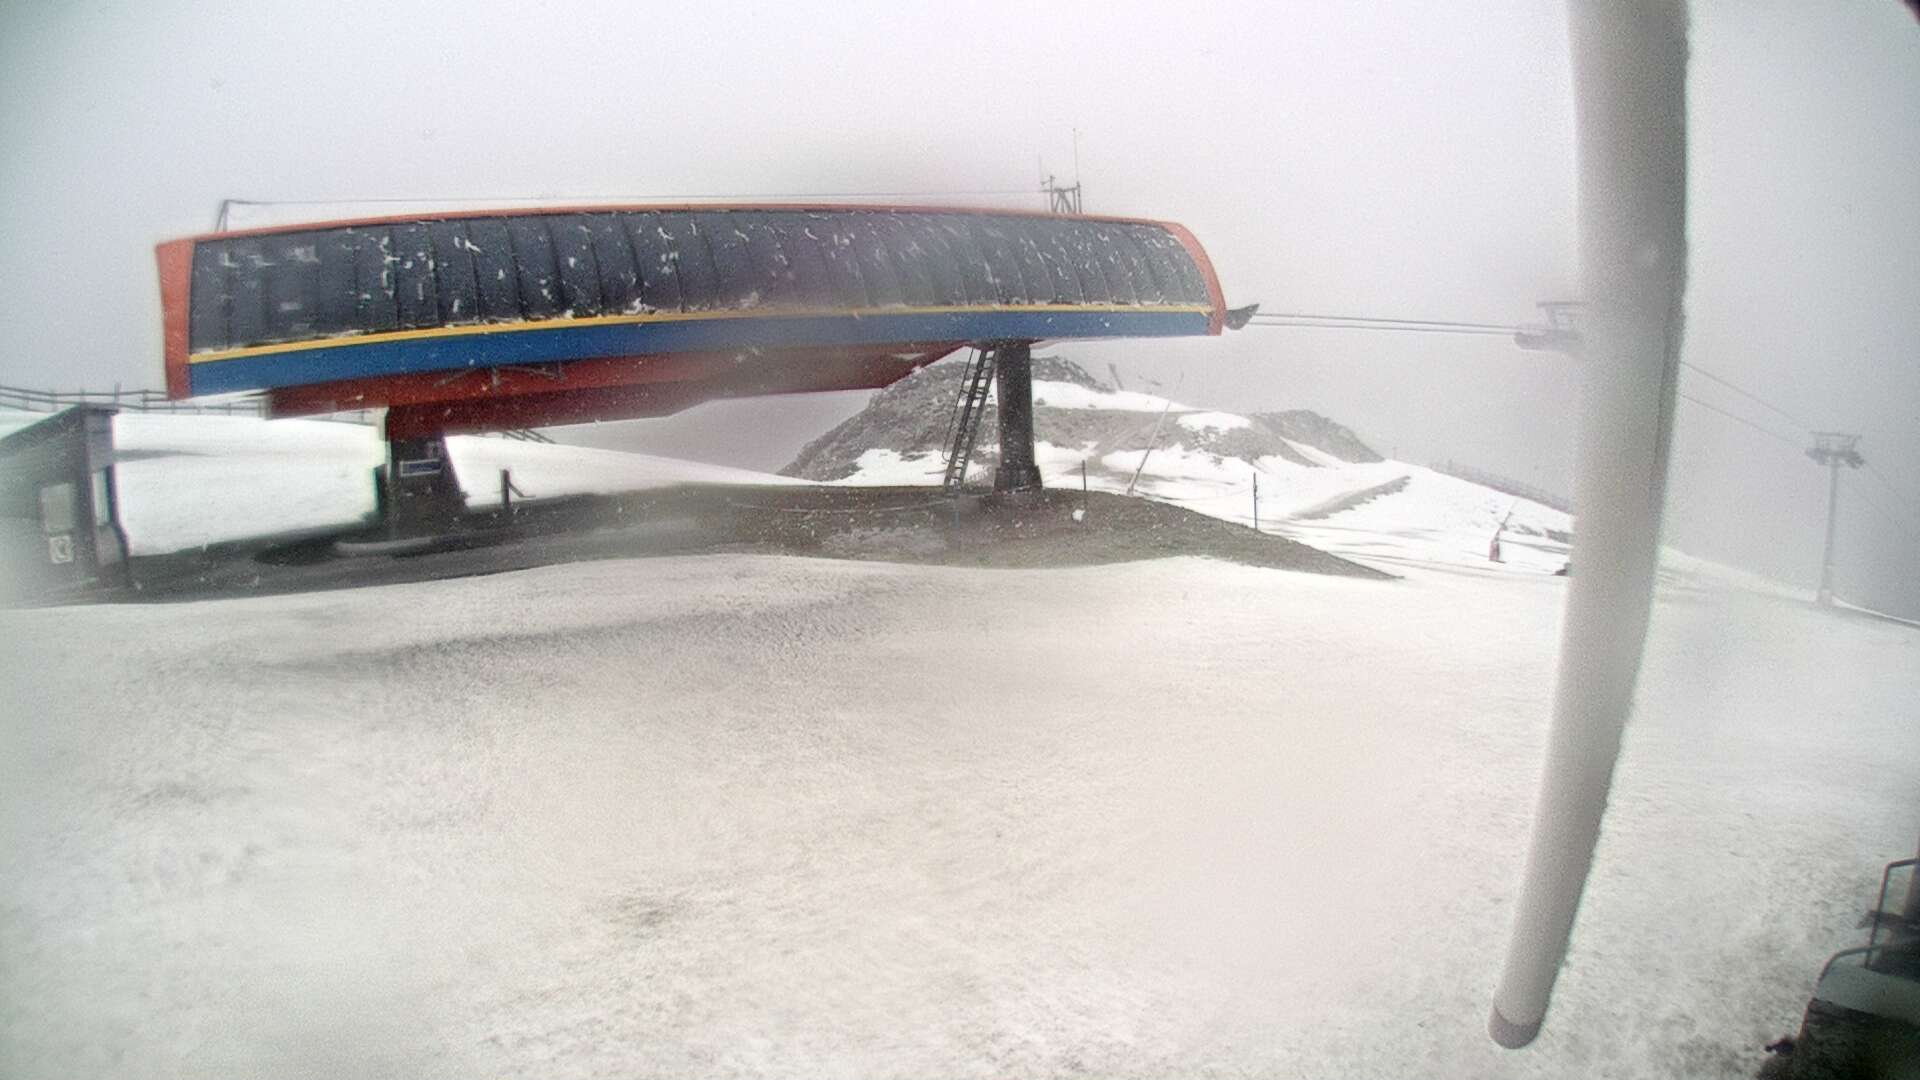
(317, 304)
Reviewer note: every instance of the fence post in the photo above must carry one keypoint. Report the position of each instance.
(1256, 501)
(506, 493)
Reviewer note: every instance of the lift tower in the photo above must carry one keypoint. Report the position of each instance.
(1833, 449)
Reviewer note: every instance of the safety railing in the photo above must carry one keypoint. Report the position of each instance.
(1880, 913)
(24, 399)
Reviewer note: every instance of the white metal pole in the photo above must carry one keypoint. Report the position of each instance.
(1629, 66)
(1154, 439)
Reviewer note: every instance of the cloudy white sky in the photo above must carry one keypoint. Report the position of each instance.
(1404, 160)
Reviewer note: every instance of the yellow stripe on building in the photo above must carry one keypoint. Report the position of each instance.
(475, 329)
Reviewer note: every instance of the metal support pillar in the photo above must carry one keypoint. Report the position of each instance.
(423, 495)
(1014, 367)
(1833, 449)
(1825, 595)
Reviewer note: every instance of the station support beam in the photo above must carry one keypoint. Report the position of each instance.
(1017, 471)
(420, 494)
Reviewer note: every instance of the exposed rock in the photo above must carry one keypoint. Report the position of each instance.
(1312, 429)
(1056, 369)
(915, 415)
(911, 416)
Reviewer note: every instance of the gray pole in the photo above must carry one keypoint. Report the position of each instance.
(1833, 449)
(1154, 439)
(1833, 517)
(1629, 68)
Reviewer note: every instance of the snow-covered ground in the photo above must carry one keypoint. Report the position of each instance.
(770, 816)
(187, 480)
(1427, 518)
(1066, 395)
(753, 815)
(1443, 520)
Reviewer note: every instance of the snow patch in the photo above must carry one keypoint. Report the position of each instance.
(889, 468)
(1066, 395)
(1212, 421)
(185, 480)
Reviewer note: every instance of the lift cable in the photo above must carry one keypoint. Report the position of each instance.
(1762, 428)
(1885, 513)
(1888, 484)
(1438, 328)
(1315, 320)
(1288, 316)
(1748, 394)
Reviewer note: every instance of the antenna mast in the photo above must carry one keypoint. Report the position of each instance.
(1062, 199)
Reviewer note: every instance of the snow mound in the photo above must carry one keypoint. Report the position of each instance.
(1213, 421)
(888, 468)
(1435, 518)
(1316, 481)
(1066, 395)
(186, 481)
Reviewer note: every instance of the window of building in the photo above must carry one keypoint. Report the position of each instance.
(56, 509)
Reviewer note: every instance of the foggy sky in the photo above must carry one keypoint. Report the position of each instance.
(1400, 160)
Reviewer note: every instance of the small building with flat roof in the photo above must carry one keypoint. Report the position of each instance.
(59, 524)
